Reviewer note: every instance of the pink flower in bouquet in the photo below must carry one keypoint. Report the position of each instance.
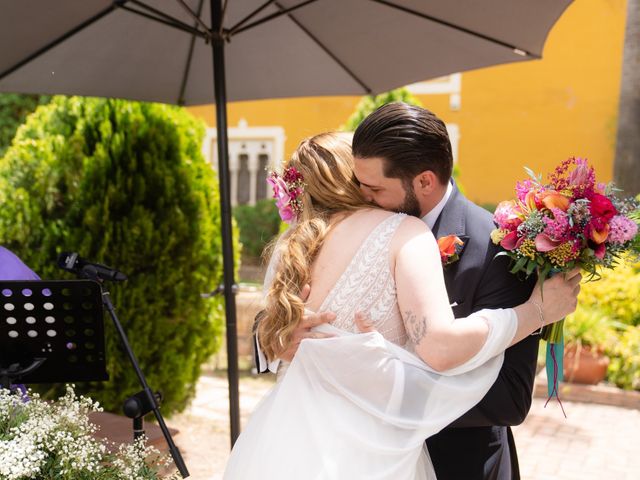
(600, 251)
(581, 174)
(507, 215)
(522, 188)
(622, 229)
(601, 207)
(557, 228)
(510, 241)
(545, 244)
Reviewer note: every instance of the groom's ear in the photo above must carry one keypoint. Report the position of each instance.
(425, 183)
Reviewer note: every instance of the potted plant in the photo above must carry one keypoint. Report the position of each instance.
(588, 333)
(54, 441)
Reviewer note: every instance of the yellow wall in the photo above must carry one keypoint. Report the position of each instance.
(527, 114)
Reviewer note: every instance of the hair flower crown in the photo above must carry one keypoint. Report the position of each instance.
(287, 191)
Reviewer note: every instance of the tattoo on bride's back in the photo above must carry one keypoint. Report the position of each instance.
(416, 326)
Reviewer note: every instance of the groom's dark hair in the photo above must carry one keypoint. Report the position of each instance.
(410, 139)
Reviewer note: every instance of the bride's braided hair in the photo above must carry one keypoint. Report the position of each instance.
(326, 164)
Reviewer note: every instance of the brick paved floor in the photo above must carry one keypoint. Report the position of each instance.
(595, 442)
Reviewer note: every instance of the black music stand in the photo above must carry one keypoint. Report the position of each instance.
(51, 331)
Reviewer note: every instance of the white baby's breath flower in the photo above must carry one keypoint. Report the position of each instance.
(41, 434)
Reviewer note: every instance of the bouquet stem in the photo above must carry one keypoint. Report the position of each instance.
(553, 333)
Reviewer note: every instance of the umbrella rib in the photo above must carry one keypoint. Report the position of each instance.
(184, 28)
(161, 17)
(250, 16)
(273, 16)
(57, 41)
(185, 76)
(515, 49)
(193, 15)
(329, 52)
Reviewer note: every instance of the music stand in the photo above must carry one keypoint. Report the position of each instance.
(51, 331)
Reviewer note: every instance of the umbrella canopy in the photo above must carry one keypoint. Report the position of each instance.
(173, 51)
(320, 47)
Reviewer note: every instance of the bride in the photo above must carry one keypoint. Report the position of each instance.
(360, 405)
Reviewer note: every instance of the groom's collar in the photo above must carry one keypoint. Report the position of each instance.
(452, 218)
(432, 217)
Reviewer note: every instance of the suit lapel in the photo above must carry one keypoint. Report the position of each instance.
(452, 218)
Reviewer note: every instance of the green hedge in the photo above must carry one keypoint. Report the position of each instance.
(258, 225)
(124, 183)
(14, 108)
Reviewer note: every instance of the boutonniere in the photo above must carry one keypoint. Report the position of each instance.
(449, 247)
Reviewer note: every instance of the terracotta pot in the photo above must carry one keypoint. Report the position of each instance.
(582, 364)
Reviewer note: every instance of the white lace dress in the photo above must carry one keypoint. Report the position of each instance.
(359, 406)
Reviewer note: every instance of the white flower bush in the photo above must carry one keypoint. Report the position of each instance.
(42, 440)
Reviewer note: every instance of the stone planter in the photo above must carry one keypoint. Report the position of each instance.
(584, 364)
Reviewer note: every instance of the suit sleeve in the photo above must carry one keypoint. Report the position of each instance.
(509, 399)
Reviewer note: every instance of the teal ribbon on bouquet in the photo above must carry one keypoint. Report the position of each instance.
(554, 335)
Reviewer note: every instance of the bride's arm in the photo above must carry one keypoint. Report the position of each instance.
(440, 340)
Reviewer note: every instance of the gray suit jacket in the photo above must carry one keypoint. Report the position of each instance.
(480, 445)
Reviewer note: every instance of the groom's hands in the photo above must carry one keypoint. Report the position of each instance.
(303, 330)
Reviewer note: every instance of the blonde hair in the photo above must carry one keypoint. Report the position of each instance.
(326, 164)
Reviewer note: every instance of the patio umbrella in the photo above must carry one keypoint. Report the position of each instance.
(173, 51)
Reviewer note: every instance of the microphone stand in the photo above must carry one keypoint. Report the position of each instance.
(147, 395)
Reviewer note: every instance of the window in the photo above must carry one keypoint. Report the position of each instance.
(253, 151)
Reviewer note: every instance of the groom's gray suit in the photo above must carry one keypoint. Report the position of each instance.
(479, 445)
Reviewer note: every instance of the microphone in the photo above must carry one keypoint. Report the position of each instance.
(74, 263)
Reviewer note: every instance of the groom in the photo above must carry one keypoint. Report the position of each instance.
(403, 162)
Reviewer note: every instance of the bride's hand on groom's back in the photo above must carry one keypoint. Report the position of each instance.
(303, 330)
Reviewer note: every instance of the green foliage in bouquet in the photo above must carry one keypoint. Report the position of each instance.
(258, 224)
(14, 108)
(125, 184)
(54, 441)
(624, 369)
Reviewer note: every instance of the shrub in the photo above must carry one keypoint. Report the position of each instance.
(589, 327)
(14, 108)
(125, 184)
(624, 369)
(258, 224)
(368, 104)
(615, 295)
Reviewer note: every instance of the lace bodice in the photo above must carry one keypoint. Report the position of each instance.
(368, 285)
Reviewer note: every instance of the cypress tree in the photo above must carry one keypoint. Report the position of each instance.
(125, 184)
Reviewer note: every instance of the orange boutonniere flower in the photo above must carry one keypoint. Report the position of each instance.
(448, 249)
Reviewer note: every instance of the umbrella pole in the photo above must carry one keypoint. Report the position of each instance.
(225, 217)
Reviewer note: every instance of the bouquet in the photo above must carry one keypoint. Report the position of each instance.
(54, 441)
(569, 221)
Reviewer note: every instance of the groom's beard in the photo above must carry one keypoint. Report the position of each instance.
(410, 206)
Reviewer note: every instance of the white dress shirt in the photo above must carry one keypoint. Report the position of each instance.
(431, 217)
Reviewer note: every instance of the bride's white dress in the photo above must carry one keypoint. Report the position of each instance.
(359, 406)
